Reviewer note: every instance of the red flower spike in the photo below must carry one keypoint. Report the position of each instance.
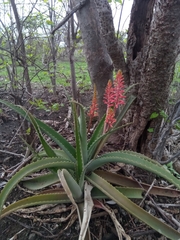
(119, 90)
(94, 106)
(109, 95)
(93, 112)
(110, 119)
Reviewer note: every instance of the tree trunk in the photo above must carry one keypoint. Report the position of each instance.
(21, 53)
(100, 65)
(21, 46)
(114, 46)
(52, 65)
(71, 39)
(152, 49)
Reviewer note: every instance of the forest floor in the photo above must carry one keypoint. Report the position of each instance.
(60, 222)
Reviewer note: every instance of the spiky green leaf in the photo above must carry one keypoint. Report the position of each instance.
(55, 136)
(79, 151)
(49, 151)
(33, 167)
(97, 132)
(136, 159)
(129, 192)
(59, 139)
(98, 144)
(70, 185)
(41, 181)
(51, 198)
(83, 132)
(73, 191)
(132, 208)
(124, 110)
(58, 152)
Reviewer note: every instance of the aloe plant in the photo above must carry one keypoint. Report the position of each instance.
(76, 168)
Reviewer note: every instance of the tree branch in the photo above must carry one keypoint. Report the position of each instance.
(75, 9)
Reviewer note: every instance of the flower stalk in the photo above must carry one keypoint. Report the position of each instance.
(93, 112)
(113, 98)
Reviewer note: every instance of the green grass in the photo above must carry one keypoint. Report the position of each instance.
(63, 75)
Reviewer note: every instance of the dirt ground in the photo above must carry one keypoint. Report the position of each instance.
(48, 222)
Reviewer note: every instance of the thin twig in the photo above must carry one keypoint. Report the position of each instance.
(120, 17)
(22, 164)
(164, 214)
(166, 205)
(12, 153)
(20, 223)
(68, 117)
(147, 193)
(24, 119)
(172, 159)
(141, 233)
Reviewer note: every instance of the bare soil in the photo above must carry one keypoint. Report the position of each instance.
(45, 223)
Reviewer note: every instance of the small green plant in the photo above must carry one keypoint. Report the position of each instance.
(154, 115)
(28, 131)
(177, 125)
(39, 104)
(55, 107)
(170, 168)
(150, 130)
(77, 167)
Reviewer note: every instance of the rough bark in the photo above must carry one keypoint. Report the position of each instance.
(114, 46)
(100, 65)
(151, 52)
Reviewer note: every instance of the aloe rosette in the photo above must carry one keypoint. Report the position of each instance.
(75, 167)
